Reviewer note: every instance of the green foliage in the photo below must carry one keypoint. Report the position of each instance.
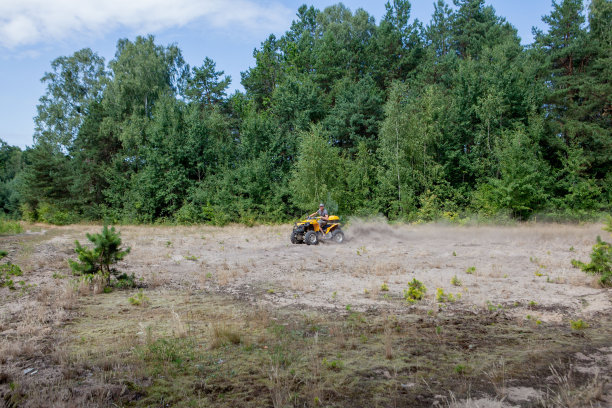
(317, 172)
(444, 297)
(601, 262)
(52, 214)
(334, 365)
(10, 227)
(205, 86)
(139, 299)
(521, 187)
(413, 121)
(578, 324)
(415, 292)
(98, 260)
(460, 369)
(11, 167)
(608, 224)
(8, 272)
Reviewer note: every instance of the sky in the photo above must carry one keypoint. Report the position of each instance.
(35, 32)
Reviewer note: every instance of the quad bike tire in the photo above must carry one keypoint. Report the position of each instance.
(294, 239)
(311, 238)
(338, 237)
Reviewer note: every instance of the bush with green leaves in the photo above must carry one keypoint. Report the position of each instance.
(7, 272)
(52, 214)
(415, 292)
(601, 262)
(608, 222)
(10, 227)
(98, 260)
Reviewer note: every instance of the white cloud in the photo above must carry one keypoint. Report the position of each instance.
(29, 22)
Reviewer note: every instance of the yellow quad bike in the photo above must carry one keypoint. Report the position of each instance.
(310, 232)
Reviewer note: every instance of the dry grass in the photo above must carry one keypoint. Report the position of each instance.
(281, 383)
(498, 377)
(298, 284)
(566, 393)
(157, 280)
(374, 290)
(388, 340)
(497, 271)
(100, 362)
(222, 333)
(179, 328)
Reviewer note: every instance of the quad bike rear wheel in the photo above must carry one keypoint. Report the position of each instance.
(311, 238)
(338, 237)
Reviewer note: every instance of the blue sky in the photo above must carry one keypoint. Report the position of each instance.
(34, 32)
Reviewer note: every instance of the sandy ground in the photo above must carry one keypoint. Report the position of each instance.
(524, 270)
(526, 267)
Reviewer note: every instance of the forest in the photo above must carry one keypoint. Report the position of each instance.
(406, 119)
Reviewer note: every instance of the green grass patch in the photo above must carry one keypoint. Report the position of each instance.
(230, 353)
(8, 227)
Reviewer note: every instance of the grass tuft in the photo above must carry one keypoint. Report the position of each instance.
(139, 299)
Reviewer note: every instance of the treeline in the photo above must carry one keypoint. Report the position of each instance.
(398, 118)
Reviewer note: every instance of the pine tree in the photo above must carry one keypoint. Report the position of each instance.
(99, 259)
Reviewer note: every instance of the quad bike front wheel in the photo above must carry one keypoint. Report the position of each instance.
(294, 239)
(338, 237)
(311, 238)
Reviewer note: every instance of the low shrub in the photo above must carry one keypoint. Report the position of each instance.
(444, 297)
(608, 224)
(601, 262)
(578, 324)
(8, 272)
(51, 214)
(188, 214)
(139, 299)
(10, 227)
(415, 292)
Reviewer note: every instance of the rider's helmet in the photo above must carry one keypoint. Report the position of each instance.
(321, 205)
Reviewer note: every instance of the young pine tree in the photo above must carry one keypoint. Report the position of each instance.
(106, 252)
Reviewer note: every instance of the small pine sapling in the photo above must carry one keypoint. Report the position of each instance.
(578, 324)
(415, 292)
(98, 260)
(601, 262)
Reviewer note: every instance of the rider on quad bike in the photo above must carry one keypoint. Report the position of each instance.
(319, 226)
(322, 213)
